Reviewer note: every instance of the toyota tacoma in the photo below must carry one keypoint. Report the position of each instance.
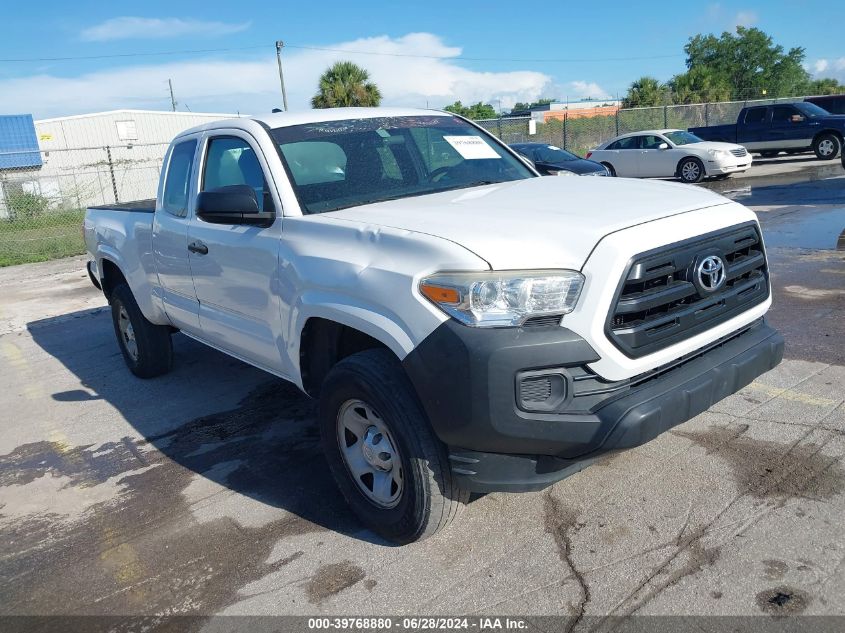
(467, 325)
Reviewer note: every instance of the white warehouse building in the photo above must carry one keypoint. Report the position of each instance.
(103, 157)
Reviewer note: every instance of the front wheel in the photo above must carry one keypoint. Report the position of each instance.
(387, 462)
(146, 347)
(691, 170)
(827, 146)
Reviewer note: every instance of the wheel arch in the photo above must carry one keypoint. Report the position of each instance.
(837, 133)
(687, 157)
(323, 343)
(111, 276)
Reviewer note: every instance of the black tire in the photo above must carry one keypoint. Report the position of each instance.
(153, 350)
(768, 154)
(827, 146)
(610, 168)
(691, 170)
(429, 499)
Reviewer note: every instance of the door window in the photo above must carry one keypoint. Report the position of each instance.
(231, 161)
(786, 114)
(650, 141)
(755, 115)
(177, 182)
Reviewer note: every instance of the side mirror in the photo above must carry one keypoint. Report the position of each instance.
(663, 146)
(233, 204)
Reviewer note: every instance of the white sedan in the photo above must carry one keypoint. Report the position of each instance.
(670, 154)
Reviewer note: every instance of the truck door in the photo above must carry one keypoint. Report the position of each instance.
(789, 128)
(170, 236)
(235, 266)
(753, 130)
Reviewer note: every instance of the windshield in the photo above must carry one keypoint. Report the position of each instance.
(811, 110)
(338, 164)
(679, 137)
(553, 154)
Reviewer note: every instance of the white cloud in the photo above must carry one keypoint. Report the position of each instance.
(576, 90)
(821, 68)
(128, 27)
(745, 18)
(252, 85)
(723, 19)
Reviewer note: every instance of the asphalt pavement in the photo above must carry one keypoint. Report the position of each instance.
(204, 491)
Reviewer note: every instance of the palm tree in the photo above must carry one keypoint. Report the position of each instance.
(346, 85)
(645, 91)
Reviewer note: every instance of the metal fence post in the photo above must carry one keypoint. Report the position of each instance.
(499, 127)
(111, 172)
(565, 119)
(617, 121)
(706, 114)
(665, 116)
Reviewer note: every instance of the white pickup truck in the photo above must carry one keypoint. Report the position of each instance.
(466, 324)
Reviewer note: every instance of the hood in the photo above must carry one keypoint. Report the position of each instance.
(535, 223)
(580, 166)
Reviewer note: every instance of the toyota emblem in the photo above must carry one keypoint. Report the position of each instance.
(711, 273)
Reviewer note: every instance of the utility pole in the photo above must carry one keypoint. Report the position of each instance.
(279, 45)
(172, 98)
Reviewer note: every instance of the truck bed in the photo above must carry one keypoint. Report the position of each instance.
(136, 206)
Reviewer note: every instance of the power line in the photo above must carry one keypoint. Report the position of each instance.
(121, 55)
(337, 50)
(532, 60)
(486, 59)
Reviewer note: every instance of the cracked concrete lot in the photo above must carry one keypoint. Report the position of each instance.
(205, 492)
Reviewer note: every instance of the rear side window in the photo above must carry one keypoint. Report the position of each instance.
(629, 142)
(177, 182)
(755, 115)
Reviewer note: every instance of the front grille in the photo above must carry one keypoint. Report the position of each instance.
(739, 153)
(662, 300)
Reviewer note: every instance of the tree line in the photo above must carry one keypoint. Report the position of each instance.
(743, 65)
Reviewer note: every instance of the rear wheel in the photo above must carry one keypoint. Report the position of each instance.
(691, 170)
(388, 463)
(610, 168)
(146, 347)
(827, 146)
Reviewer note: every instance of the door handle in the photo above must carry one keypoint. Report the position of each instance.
(198, 247)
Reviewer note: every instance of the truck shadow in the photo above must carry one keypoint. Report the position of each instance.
(266, 447)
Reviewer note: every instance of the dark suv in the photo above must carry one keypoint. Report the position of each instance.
(835, 104)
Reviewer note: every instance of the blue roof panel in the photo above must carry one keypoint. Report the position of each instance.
(18, 142)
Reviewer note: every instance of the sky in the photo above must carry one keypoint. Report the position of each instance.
(222, 58)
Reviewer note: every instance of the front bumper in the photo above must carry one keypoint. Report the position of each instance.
(714, 167)
(467, 382)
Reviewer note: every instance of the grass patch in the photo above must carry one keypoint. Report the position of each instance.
(49, 236)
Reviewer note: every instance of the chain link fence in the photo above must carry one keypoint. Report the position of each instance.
(41, 209)
(579, 131)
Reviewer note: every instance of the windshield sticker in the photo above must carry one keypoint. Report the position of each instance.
(471, 147)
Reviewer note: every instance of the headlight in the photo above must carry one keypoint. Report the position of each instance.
(501, 299)
(564, 172)
(719, 153)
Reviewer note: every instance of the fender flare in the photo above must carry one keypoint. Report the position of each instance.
(375, 321)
